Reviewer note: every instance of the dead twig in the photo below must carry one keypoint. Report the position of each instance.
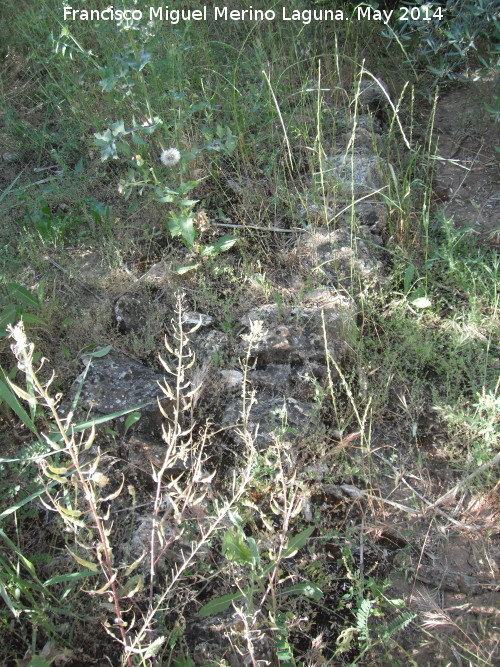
(260, 229)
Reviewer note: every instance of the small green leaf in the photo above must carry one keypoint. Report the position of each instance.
(182, 225)
(132, 586)
(103, 138)
(57, 471)
(23, 295)
(106, 418)
(124, 148)
(27, 563)
(188, 203)
(86, 563)
(118, 128)
(67, 512)
(8, 601)
(29, 318)
(100, 353)
(144, 58)
(38, 661)
(8, 316)
(408, 279)
(73, 576)
(223, 244)
(22, 394)
(153, 648)
(219, 604)
(297, 542)
(421, 302)
(184, 269)
(137, 140)
(165, 199)
(187, 186)
(235, 547)
(8, 396)
(131, 420)
(24, 501)
(57, 478)
(108, 83)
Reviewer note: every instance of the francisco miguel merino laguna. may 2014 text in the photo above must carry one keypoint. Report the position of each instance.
(174, 16)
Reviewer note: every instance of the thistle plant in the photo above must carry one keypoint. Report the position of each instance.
(140, 148)
(181, 220)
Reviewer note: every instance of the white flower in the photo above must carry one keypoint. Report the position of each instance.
(170, 157)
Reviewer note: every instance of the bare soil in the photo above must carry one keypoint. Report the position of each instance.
(467, 174)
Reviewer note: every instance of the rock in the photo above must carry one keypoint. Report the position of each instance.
(288, 356)
(232, 378)
(130, 314)
(357, 173)
(160, 274)
(340, 263)
(268, 314)
(366, 122)
(338, 310)
(143, 311)
(274, 376)
(116, 382)
(315, 214)
(287, 344)
(272, 418)
(207, 343)
(146, 454)
(194, 318)
(373, 93)
(169, 543)
(364, 139)
(373, 216)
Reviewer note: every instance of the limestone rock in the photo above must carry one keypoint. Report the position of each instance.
(274, 376)
(287, 344)
(231, 378)
(117, 382)
(207, 343)
(268, 314)
(357, 173)
(195, 318)
(337, 309)
(343, 260)
(272, 417)
(373, 93)
(373, 216)
(130, 314)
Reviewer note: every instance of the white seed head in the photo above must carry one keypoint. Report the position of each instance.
(170, 157)
(100, 479)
